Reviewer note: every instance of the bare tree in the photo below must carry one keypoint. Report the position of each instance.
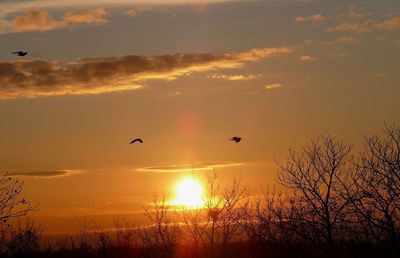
(375, 186)
(225, 210)
(163, 231)
(315, 174)
(270, 218)
(233, 212)
(12, 203)
(195, 222)
(125, 234)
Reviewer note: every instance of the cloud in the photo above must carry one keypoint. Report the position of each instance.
(95, 16)
(307, 58)
(355, 15)
(34, 20)
(132, 12)
(379, 74)
(44, 173)
(187, 167)
(234, 77)
(351, 14)
(39, 20)
(311, 18)
(367, 26)
(273, 86)
(11, 7)
(176, 93)
(345, 40)
(390, 24)
(32, 78)
(351, 27)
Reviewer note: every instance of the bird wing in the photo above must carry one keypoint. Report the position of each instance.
(137, 140)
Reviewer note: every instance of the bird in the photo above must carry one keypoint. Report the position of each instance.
(20, 53)
(235, 139)
(136, 140)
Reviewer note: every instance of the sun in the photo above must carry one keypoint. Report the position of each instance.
(189, 193)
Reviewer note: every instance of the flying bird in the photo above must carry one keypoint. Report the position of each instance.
(20, 53)
(235, 139)
(137, 140)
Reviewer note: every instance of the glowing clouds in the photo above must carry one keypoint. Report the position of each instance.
(307, 58)
(273, 86)
(34, 20)
(95, 16)
(311, 18)
(32, 78)
(39, 20)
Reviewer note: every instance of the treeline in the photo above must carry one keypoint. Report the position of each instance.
(337, 203)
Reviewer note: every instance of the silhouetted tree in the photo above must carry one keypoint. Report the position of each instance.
(233, 212)
(125, 234)
(374, 188)
(163, 231)
(12, 203)
(24, 241)
(315, 175)
(270, 218)
(195, 222)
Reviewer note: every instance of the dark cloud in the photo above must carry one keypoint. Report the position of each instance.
(44, 173)
(33, 78)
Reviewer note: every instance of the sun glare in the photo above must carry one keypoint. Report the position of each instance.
(189, 193)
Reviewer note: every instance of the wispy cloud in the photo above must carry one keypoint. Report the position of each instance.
(307, 58)
(273, 86)
(187, 167)
(345, 40)
(352, 14)
(367, 26)
(34, 78)
(311, 18)
(351, 27)
(44, 173)
(234, 77)
(132, 12)
(389, 24)
(379, 74)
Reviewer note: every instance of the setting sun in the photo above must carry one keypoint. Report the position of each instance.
(189, 193)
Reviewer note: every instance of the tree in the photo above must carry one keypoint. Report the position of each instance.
(375, 187)
(163, 232)
(270, 218)
(315, 174)
(12, 203)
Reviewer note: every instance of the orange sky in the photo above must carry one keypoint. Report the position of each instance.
(184, 76)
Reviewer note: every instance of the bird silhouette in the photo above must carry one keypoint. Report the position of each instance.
(20, 53)
(235, 139)
(137, 140)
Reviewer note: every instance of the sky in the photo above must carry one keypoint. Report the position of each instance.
(184, 76)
